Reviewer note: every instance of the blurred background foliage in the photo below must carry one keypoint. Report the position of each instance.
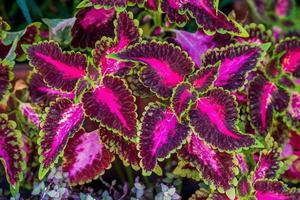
(19, 13)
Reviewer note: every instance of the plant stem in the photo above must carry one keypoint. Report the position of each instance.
(129, 176)
(157, 18)
(118, 169)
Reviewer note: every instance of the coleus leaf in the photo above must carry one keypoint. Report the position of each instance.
(135, 85)
(40, 92)
(113, 105)
(30, 114)
(272, 70)
(214, 119)
(171, 8)
(157, 31)
(200, 194)
(293, 140)
(104, 48)
(288, 149)
(198, 43)
(280, 132)
(287, 81)
(289, 49)
(244, 123)
(31, 35)
(4, 27)
(10, 36)
(85, 157)
(4, 49)
(283, 8)
(219, 196)
(293, 173)
(202, 79)
(113, 3)
(81, 87)
(292, 116)
(159, 135)
(11, 55)
(125, 149)
(268, 165)
(206, 14)
(242, 163)
(277, 31)
(93, 73)
(118, 4)
(5, 77)
(6, 72)
(236, 61)
(11, 152)
(127, 33)
(257, 34)
(167, 65)
(27, 148)
(152, 4)
(185, 169)
(60, 70)
(59, 29)
(182, 99)
(244, 187)
(63, 119)
(27, 36)
(194, 43)
(92, 24)
(264, 97)
(267, 189)
(215, 167)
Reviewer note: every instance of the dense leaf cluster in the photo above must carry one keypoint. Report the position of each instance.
(223, 102)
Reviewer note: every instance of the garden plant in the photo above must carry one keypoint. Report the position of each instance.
(152, 99)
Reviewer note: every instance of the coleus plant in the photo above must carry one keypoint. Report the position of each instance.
(218, 98)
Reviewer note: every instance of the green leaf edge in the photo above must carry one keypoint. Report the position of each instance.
(42, 170)
(52, 42)
(144, 171)
(14, 189)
